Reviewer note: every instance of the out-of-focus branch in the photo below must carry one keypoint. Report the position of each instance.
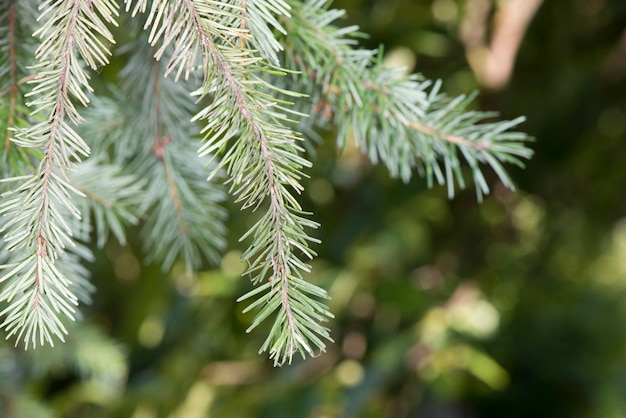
(614, 67)
(493, 62)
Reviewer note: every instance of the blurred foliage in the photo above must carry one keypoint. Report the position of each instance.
(512, 308)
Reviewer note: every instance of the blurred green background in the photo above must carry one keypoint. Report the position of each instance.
(515, 307)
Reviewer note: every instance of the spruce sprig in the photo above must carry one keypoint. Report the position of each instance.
(36, 290)
(403, 121)
(151, 137)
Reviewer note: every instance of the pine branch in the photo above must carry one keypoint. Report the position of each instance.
(261, 158)
(152, 136)
(35, 287)
(186, 219)
(393, 117)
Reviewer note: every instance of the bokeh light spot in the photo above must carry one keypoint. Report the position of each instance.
(151, 332)
(321, 191)
(445, 11)
(127, 267)
(354, 345)
(232, 264)
(349, 373)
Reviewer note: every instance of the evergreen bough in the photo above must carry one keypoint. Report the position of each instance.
(218, 89)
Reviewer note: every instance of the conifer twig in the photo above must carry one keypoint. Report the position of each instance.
(36, 290)
(401, 120)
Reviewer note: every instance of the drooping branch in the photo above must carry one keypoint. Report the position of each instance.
(260, 154)
(37, 291)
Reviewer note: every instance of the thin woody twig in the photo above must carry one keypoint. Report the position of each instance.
(478, 146)
(332, 89)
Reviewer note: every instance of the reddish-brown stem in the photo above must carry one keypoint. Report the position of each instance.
(334, 90)
(242, 23)
(56, 117)
(446, 137)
